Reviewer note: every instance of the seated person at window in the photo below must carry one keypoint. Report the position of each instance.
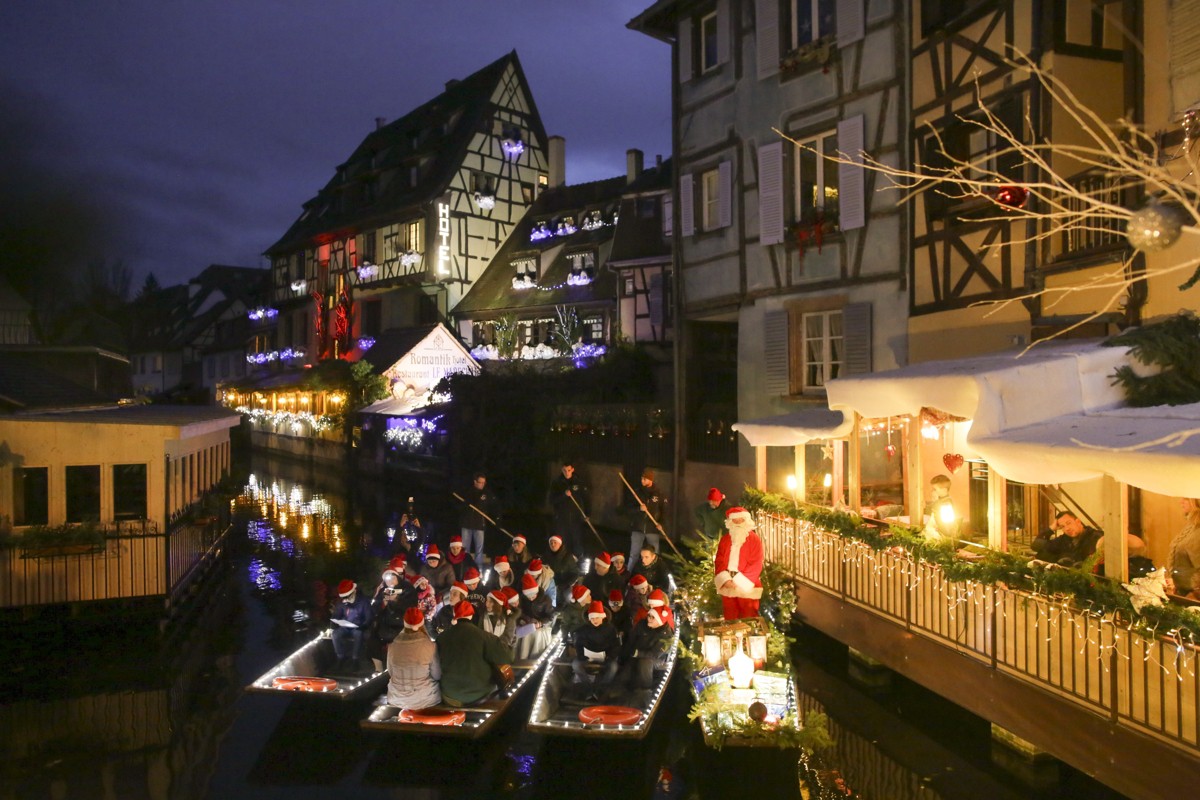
(1068, 542)
(413, 666)
(941, 518)
(598, 645)
(468, 657)
(350, 615)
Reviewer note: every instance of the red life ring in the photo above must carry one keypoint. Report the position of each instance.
(609, 715)
(300, 683)
(433, 716)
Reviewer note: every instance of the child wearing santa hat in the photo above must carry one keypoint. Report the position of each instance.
(458, 558)
(413, 666)
(537, 615)
(496, 620)
(574, 614)
(545, 578)
(647, 646)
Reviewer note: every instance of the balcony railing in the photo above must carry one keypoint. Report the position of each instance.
(1093, 233)
(635, 434)
(1150, 685)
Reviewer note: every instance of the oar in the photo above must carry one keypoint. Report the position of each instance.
(585, 519)
(648, 514)
(485, 516)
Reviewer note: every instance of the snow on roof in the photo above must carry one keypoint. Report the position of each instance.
(795, 428)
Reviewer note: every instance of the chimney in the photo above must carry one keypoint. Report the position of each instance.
(557, 147)
(633, 165)
(658, 160)
(380, 122)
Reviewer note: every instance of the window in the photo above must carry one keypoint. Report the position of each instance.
(525, 269)
(816, 178)
(812, 20)
(83, 494)
(629, 286)
(822, 348)
(526, 193)
(710, 201)
(593, 329)
(412, 237)
(158, 362)
(708, 42)
(483, 183)
(368, 247)
(225, 366)
(31, 496)
(647, 207)
(129, 491)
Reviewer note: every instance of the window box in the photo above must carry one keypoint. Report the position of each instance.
(820, 52)
(813, 231)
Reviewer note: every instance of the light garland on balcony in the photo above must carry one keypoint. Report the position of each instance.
(540, 352)
(300, 286)
(366, 343)
(484, 201)
(294, 419)
(512, 147)
(286, 354)
(410, 258)
(367, 271)
(262, 313)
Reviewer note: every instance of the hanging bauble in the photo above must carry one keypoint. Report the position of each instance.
(953, 462)
(757, 711)
(1009, 196)
(890, 450)
(1154, 227)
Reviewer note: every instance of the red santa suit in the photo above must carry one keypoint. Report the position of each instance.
(738, 565)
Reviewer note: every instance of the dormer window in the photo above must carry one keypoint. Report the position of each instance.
(583, 268)
(524, 273)
(566, 226)
(593, 220)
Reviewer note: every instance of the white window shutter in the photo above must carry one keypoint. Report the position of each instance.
(685, 50)
(725, 193)
(856, 333)
(850, 22)
(668, 215)
(766, 37)
(687, 196)
(776, 363)
(852, 206)
(770, 193)
(723, 27)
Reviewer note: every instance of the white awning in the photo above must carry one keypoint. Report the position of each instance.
(795, 428)
(394, 406)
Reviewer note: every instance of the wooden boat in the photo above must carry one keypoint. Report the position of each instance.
(561, 710)
(308, 672)
(468, 722)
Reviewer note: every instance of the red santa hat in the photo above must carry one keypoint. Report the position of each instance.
(615, 596)
(739, 520)
(459, 586)
(596, 609)
(501, 564)
(534, 568)
(433, 553)
(471, 576)
(528, 582)
(578, 592)
(398, 562)
(413, 618)
(657, 599)
(714, 495)
(455, 539)
(416, 580)
(499, 596)
(511, 596)
(638, 581)
(346, 588)
(604, 558)
(520, 537)
(656, 614)
(463, 610)
(554, 537)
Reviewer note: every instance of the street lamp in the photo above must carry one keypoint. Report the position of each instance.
(791, 484)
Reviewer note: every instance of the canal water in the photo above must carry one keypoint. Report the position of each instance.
(104, 709)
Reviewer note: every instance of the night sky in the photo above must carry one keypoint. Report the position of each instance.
(195, 129)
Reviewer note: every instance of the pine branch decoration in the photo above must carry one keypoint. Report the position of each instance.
(1172, 349)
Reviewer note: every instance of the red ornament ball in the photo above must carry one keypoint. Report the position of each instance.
(757, 711)
(1010, 196)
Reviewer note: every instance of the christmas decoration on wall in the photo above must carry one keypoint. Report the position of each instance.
(540, 232)
(513, 147)
(261, 313)
(287, 354)
(367, 271)
(523, 280)
(366, 343)
(484, 201)
(580, 278)
(1155, 226)
(409, 258)
(953, 462)
(1008, 196)
(300, 286)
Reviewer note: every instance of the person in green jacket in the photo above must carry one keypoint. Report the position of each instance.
(710, 515)
(468, 657)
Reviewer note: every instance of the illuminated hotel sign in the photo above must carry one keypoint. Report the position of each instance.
(442, 238)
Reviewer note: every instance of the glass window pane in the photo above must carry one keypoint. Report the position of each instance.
(807, 180)
(826, 17)
(129, 491)
(709, 41)
(31, 496)
(803, 22)
(83, 493)
(830, 175)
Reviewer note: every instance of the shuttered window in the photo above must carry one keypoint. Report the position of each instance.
(766, 37)
(852, 211)
(850, 22)
(723, 31)
(816, 177)
(709, 42)
(776, 378)
(710, 200)
(687, 214)
(770, 193)
(1185, 54)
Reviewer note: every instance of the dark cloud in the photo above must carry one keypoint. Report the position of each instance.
(200, 126)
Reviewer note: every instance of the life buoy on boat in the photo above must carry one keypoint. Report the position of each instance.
(609, 715)
(433, 716)
(300, 683)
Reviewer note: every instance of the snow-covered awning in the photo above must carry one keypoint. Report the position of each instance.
(1155, 448)
(394, 406)
(796, 427)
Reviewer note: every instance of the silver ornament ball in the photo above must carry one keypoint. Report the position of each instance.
(1154, 227)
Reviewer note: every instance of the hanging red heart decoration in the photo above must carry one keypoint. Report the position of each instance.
(952, 461)
(890, 450)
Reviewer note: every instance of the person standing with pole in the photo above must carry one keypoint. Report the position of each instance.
(568, 499)
(480, 506)
(648, 504)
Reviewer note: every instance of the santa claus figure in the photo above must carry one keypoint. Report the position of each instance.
(738, 566)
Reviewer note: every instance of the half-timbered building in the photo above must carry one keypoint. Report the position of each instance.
(792, 267)
(412, 218)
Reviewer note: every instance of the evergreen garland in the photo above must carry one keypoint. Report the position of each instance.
(1172, 348)
(1085, 591)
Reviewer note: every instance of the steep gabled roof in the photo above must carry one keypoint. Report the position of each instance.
(433, 136)
(494, 290)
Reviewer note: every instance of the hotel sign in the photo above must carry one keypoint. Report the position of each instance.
(441, 239)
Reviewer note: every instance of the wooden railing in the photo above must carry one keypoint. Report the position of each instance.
(1151, 685)
(1094, 233)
